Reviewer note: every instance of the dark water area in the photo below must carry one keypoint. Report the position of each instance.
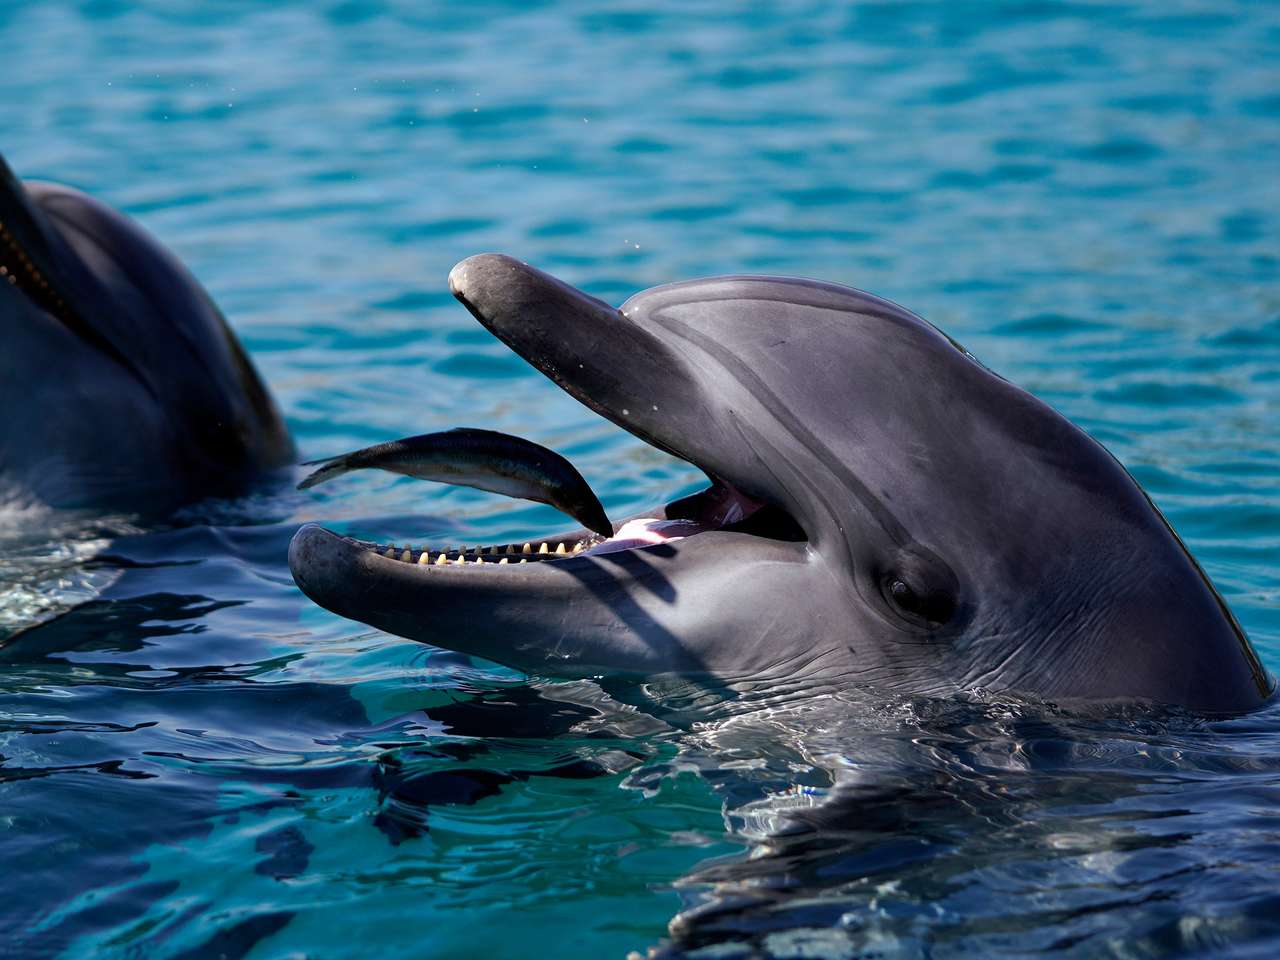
(1013, 832)
(195, 761)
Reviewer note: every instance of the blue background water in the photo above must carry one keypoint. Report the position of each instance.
(1085, 194)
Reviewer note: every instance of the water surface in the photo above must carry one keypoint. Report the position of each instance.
(195, 761)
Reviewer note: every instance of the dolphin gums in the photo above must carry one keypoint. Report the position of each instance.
(883, 512)
(124, 386)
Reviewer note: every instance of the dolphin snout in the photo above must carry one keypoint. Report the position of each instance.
(320, 571)
(485, 276)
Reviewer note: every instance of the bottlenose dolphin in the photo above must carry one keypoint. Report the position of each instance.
(884, 511)
(122, 385)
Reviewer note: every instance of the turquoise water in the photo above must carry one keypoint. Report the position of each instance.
(195, 761)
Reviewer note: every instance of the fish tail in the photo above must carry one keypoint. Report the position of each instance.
(330, 467)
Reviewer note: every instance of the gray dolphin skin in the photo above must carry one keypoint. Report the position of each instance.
(883, 511)
(123, 386)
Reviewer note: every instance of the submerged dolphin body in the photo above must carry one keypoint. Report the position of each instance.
(122, 385)
(884, 511)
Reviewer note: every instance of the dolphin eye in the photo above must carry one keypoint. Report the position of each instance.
(931, 609)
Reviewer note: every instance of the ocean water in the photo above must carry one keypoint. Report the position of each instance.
(197, 762)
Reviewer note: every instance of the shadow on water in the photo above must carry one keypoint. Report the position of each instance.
(83, 784)
(116, 626)
(88, 801)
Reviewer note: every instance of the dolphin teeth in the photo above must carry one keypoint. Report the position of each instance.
(502, 561)
(462, 554)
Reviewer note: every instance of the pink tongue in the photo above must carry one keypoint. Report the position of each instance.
(645, 531)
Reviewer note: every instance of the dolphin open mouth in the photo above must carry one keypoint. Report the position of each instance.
(19, 270)
(501, 293)
(39, 263)
(27, 264)
(626, 374)
(572, 604)
(717, 508)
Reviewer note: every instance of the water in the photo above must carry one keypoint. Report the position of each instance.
(198, 762)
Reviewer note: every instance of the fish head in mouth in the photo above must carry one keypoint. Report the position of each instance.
(883, 510)
(123, 386)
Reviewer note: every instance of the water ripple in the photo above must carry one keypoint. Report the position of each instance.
(195, 761)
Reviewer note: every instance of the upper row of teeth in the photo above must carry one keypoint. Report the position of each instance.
(27, 265)
(497, 555)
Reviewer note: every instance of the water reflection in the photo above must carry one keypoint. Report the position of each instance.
(979, 829)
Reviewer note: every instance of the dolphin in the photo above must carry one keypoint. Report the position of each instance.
(883, 512)
(122, 386)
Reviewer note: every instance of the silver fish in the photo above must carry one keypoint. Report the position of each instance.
(484, 459)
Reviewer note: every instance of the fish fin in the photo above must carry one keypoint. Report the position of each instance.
(332, 467)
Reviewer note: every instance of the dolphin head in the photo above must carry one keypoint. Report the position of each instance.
(883, 511)
(123, 386)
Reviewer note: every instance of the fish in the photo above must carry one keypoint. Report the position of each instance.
(483, 459)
